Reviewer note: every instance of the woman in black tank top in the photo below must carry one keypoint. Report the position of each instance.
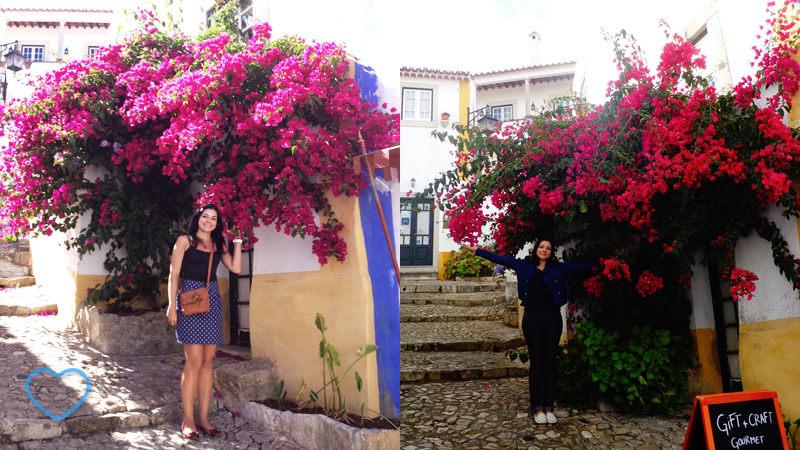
(202, 332)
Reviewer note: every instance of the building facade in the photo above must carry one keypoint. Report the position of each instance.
(435, 100)
(272, 304)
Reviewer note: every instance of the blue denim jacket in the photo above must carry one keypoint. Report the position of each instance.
(555, 277)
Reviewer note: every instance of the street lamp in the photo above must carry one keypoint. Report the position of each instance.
(14, 62)
(486, 121)
(14, 59)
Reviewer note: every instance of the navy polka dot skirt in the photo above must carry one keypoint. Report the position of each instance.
(201, 328)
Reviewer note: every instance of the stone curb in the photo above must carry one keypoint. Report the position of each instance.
(446, 301)
(16, 282)
(455, 287)
(452, 317)
(19, 310)
(491, 373)
(480, 279)
(318, 432)
(464, 346)
(22, 430)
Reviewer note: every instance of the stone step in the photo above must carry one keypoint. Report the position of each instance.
(446, 313)
(458, 366)
(464, 299)
(13, 281)
(416, 273)
(434, 286)
(485, 336)
(22, 310)
(21, 430)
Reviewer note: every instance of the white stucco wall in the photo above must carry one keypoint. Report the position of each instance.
(700, 296)
(539, 92)
(774, 297)
(425, 157)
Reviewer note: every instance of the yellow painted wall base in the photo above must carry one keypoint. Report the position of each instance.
(443, 257)
(705, 379)
(769, 354)
(283, 307)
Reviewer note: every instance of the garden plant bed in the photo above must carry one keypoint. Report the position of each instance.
(127, 334)
(353, 420)
(317, 431)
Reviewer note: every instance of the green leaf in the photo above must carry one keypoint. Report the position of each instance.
(334, 355)
(359, 383)
(582, 206)
(367, 349)
(320, 323)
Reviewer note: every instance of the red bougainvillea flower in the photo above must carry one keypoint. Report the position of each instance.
(649, 284)
(742, 283)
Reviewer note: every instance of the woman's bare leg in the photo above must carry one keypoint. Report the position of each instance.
(205, 384)
(189, 384)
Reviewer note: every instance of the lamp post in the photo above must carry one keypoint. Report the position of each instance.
(483, 117)
(14, 62)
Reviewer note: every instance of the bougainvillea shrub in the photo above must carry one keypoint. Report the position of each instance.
(668, 168)
(268, 128)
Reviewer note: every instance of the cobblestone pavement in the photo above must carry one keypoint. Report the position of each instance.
(444, 313)
(440, 366)
(459, 336)
(494, 414)
(432, 286)
(464, 299)
(26, 300)
(127, 392)
(237, 433)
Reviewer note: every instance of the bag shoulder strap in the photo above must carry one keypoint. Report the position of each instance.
(210, 259)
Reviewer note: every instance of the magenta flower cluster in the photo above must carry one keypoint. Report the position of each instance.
(269, 129)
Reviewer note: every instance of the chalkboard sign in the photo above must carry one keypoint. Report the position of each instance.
(749, 420)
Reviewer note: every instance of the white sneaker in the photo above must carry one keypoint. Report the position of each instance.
(551, 418)
(540, 418)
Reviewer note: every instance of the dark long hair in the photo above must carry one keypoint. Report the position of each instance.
(533, 258)
(216, 233)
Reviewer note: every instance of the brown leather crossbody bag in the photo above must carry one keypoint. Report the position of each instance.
(196, 300)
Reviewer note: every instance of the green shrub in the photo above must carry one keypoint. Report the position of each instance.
(464, 263)
(648, 370)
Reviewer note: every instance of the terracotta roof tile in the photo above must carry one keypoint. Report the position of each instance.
(524, 68)
(57, 10)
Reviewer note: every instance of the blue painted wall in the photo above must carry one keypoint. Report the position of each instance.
(385, 289)
(385, 297)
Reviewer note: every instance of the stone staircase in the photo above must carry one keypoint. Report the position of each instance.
(455, 330)
(15, 260)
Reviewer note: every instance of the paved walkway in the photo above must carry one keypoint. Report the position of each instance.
(454, 330)
(134, 401)
(494, 414)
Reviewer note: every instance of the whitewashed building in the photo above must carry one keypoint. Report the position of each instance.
(434, 100)
(49, 37)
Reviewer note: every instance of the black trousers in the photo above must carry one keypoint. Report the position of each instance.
(542, 331)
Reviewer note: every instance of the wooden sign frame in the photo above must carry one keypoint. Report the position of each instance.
(700, 413)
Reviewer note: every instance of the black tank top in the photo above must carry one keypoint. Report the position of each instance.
(195, 265)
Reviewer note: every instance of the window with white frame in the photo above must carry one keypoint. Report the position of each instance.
(417, 104)
(503, 113)
(559, 101)
(244, 15)
(33, 52)
(93, 51)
